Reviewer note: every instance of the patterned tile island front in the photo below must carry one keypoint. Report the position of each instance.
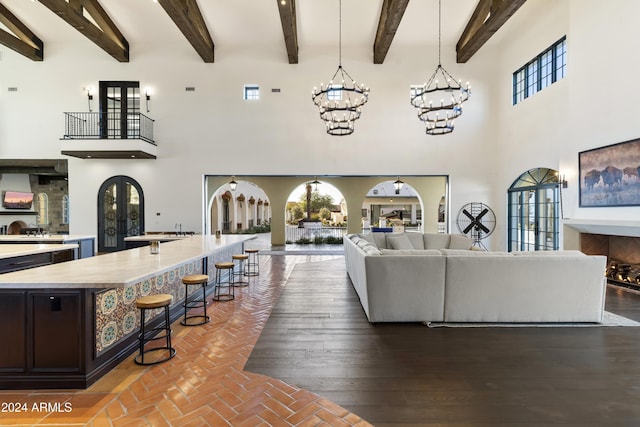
(83, 312)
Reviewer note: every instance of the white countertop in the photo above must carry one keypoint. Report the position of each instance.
(119, 269)
(12, 251)
(151, 237)
(50, 238)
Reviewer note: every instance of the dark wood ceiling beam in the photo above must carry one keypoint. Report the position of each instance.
(390, 17)
(23, 40)
(289, 28)
(487, 18)
(106, 35)
(188, 18)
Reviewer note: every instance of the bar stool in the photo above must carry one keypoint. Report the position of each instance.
(221, 267)
(239, 269)
(253, 263)
(150, 302)
(190, 280)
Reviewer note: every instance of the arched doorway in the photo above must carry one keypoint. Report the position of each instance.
(120, 212)
(533, 211)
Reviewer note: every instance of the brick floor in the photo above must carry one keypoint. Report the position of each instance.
(204, 385)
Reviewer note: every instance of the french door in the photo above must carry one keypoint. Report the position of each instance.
(119, 109)
(534, 211)
(120, 212)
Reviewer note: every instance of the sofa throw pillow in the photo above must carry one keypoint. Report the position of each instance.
(380, 240)
(436, 240)
(399, 242)
(416, 240)
(459, 241)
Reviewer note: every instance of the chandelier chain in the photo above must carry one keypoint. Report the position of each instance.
(340, 34)
(439, 30)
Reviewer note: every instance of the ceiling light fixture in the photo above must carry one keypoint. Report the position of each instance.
(233, 184)
(339, 102)
(439, 104)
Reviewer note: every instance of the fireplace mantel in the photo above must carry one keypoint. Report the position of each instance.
(602, 226)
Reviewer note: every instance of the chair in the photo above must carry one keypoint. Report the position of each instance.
(239, 269)
(145, 336)
(253, 263)
(201, 302)
(222, 268)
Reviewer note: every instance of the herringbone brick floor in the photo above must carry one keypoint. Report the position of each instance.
(203, 385)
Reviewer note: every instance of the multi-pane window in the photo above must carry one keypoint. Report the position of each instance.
(251, 92)
(545, 69)
(65, 209)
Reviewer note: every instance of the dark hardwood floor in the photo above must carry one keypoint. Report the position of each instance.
(318, 338)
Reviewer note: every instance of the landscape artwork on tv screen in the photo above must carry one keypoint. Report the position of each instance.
(17, 200)
(609, 175)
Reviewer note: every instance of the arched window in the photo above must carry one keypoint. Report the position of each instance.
(534, 208)
(43, 209)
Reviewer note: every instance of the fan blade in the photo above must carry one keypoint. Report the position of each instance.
(464, 211)
(469, 227)
(485, 229)
(481, 214)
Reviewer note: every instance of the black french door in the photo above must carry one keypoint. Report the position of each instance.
(119, 109)
(120, 212)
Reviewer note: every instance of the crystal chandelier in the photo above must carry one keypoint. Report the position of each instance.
(340, 101)
(439, 100)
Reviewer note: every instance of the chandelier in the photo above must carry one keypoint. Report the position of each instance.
(340, 101)
(439, 100)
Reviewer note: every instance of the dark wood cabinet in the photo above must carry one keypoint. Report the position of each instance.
(56, 338)
(44, 334)
(13, 331)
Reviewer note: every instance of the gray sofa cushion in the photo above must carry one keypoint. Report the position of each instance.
(467, 252)
(416, 239)
(399, 241)
(458, 241)
(436, 240)
(549, 253)
(431, 252)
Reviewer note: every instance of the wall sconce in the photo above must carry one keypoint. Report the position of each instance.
(147, 97)
(397, 184)
(90, 99)
(233, 184)
(563, 182)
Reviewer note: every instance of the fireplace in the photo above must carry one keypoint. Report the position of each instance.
(619, 241)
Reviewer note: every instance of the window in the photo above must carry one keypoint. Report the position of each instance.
(251, 92)
(545, 69)
(65, 209)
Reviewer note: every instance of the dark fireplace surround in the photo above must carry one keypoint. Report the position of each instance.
(611, 239)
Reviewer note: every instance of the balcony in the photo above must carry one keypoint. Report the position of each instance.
(108, 136)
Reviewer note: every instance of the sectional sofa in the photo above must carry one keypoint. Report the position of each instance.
(415, 277)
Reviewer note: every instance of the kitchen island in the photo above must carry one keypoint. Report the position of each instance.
(86, 244)
(68, 324)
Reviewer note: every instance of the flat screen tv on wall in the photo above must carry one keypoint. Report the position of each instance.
(17, 200)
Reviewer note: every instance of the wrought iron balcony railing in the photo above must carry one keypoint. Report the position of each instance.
(108, 126)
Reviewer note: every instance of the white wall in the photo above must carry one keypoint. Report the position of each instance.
(213, 131)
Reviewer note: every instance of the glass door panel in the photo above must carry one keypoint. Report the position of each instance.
(533, 211)
(121, 213)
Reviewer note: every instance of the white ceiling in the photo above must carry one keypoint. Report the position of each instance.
(249, 23)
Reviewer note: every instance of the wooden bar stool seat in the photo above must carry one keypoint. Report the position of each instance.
(253, 264)
(239, 269)
(151, 302)
(222, 268)
(196, 302)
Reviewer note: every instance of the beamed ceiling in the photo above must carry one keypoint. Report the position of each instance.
(289, 26)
